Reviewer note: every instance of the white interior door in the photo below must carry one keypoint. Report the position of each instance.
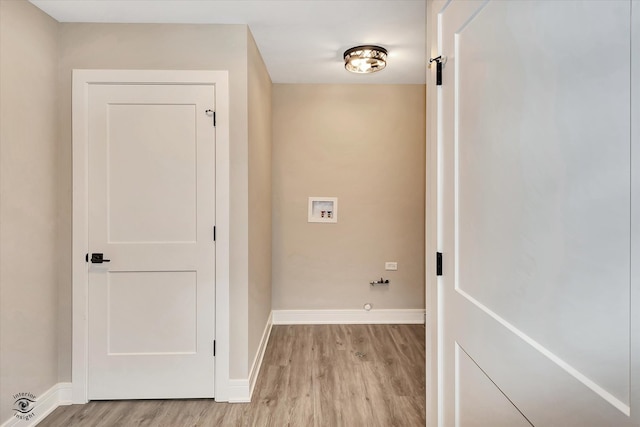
(535, 226)
(151, 213)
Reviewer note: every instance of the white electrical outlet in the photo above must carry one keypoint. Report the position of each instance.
(390, 265)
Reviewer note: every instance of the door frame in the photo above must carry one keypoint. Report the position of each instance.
(432, 243)
(82, 80)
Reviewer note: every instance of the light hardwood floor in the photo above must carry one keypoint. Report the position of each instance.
(312, 375)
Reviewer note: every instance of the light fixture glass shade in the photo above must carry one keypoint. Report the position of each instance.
(365, 59)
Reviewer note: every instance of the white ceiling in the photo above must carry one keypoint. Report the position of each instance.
(301, 41)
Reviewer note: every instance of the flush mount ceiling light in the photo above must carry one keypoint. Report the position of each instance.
(365, 59)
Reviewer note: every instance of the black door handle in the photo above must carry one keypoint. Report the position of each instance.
(98, 259)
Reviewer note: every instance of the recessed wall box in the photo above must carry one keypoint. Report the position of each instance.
(323, 209)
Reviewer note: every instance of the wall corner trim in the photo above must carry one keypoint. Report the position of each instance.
(257, 362)
(241, 390)
(46, 403)
(325, 317)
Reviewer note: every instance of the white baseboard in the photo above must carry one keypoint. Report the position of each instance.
(241, 390)
(58, 395)
(323, 317)
(257, 361)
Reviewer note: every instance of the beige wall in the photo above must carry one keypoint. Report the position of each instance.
(364, 144)
(161, 46)
(28, 291)
(259, 197)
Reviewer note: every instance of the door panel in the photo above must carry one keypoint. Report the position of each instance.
(166, 144)
(536, 207)
(479, 402)
(168, 324)
(151, 212)
(535, 185)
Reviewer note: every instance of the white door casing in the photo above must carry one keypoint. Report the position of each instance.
(534, 317)
(433, 111)
(150, 252)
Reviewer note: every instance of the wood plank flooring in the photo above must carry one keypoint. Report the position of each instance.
(312, 375)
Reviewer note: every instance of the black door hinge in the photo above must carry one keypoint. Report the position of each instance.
(214, 347)
(438, 263)
(213, 115)
(214, 233)
(439, 60)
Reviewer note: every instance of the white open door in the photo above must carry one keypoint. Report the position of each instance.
(151, 164)
(538, 214)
